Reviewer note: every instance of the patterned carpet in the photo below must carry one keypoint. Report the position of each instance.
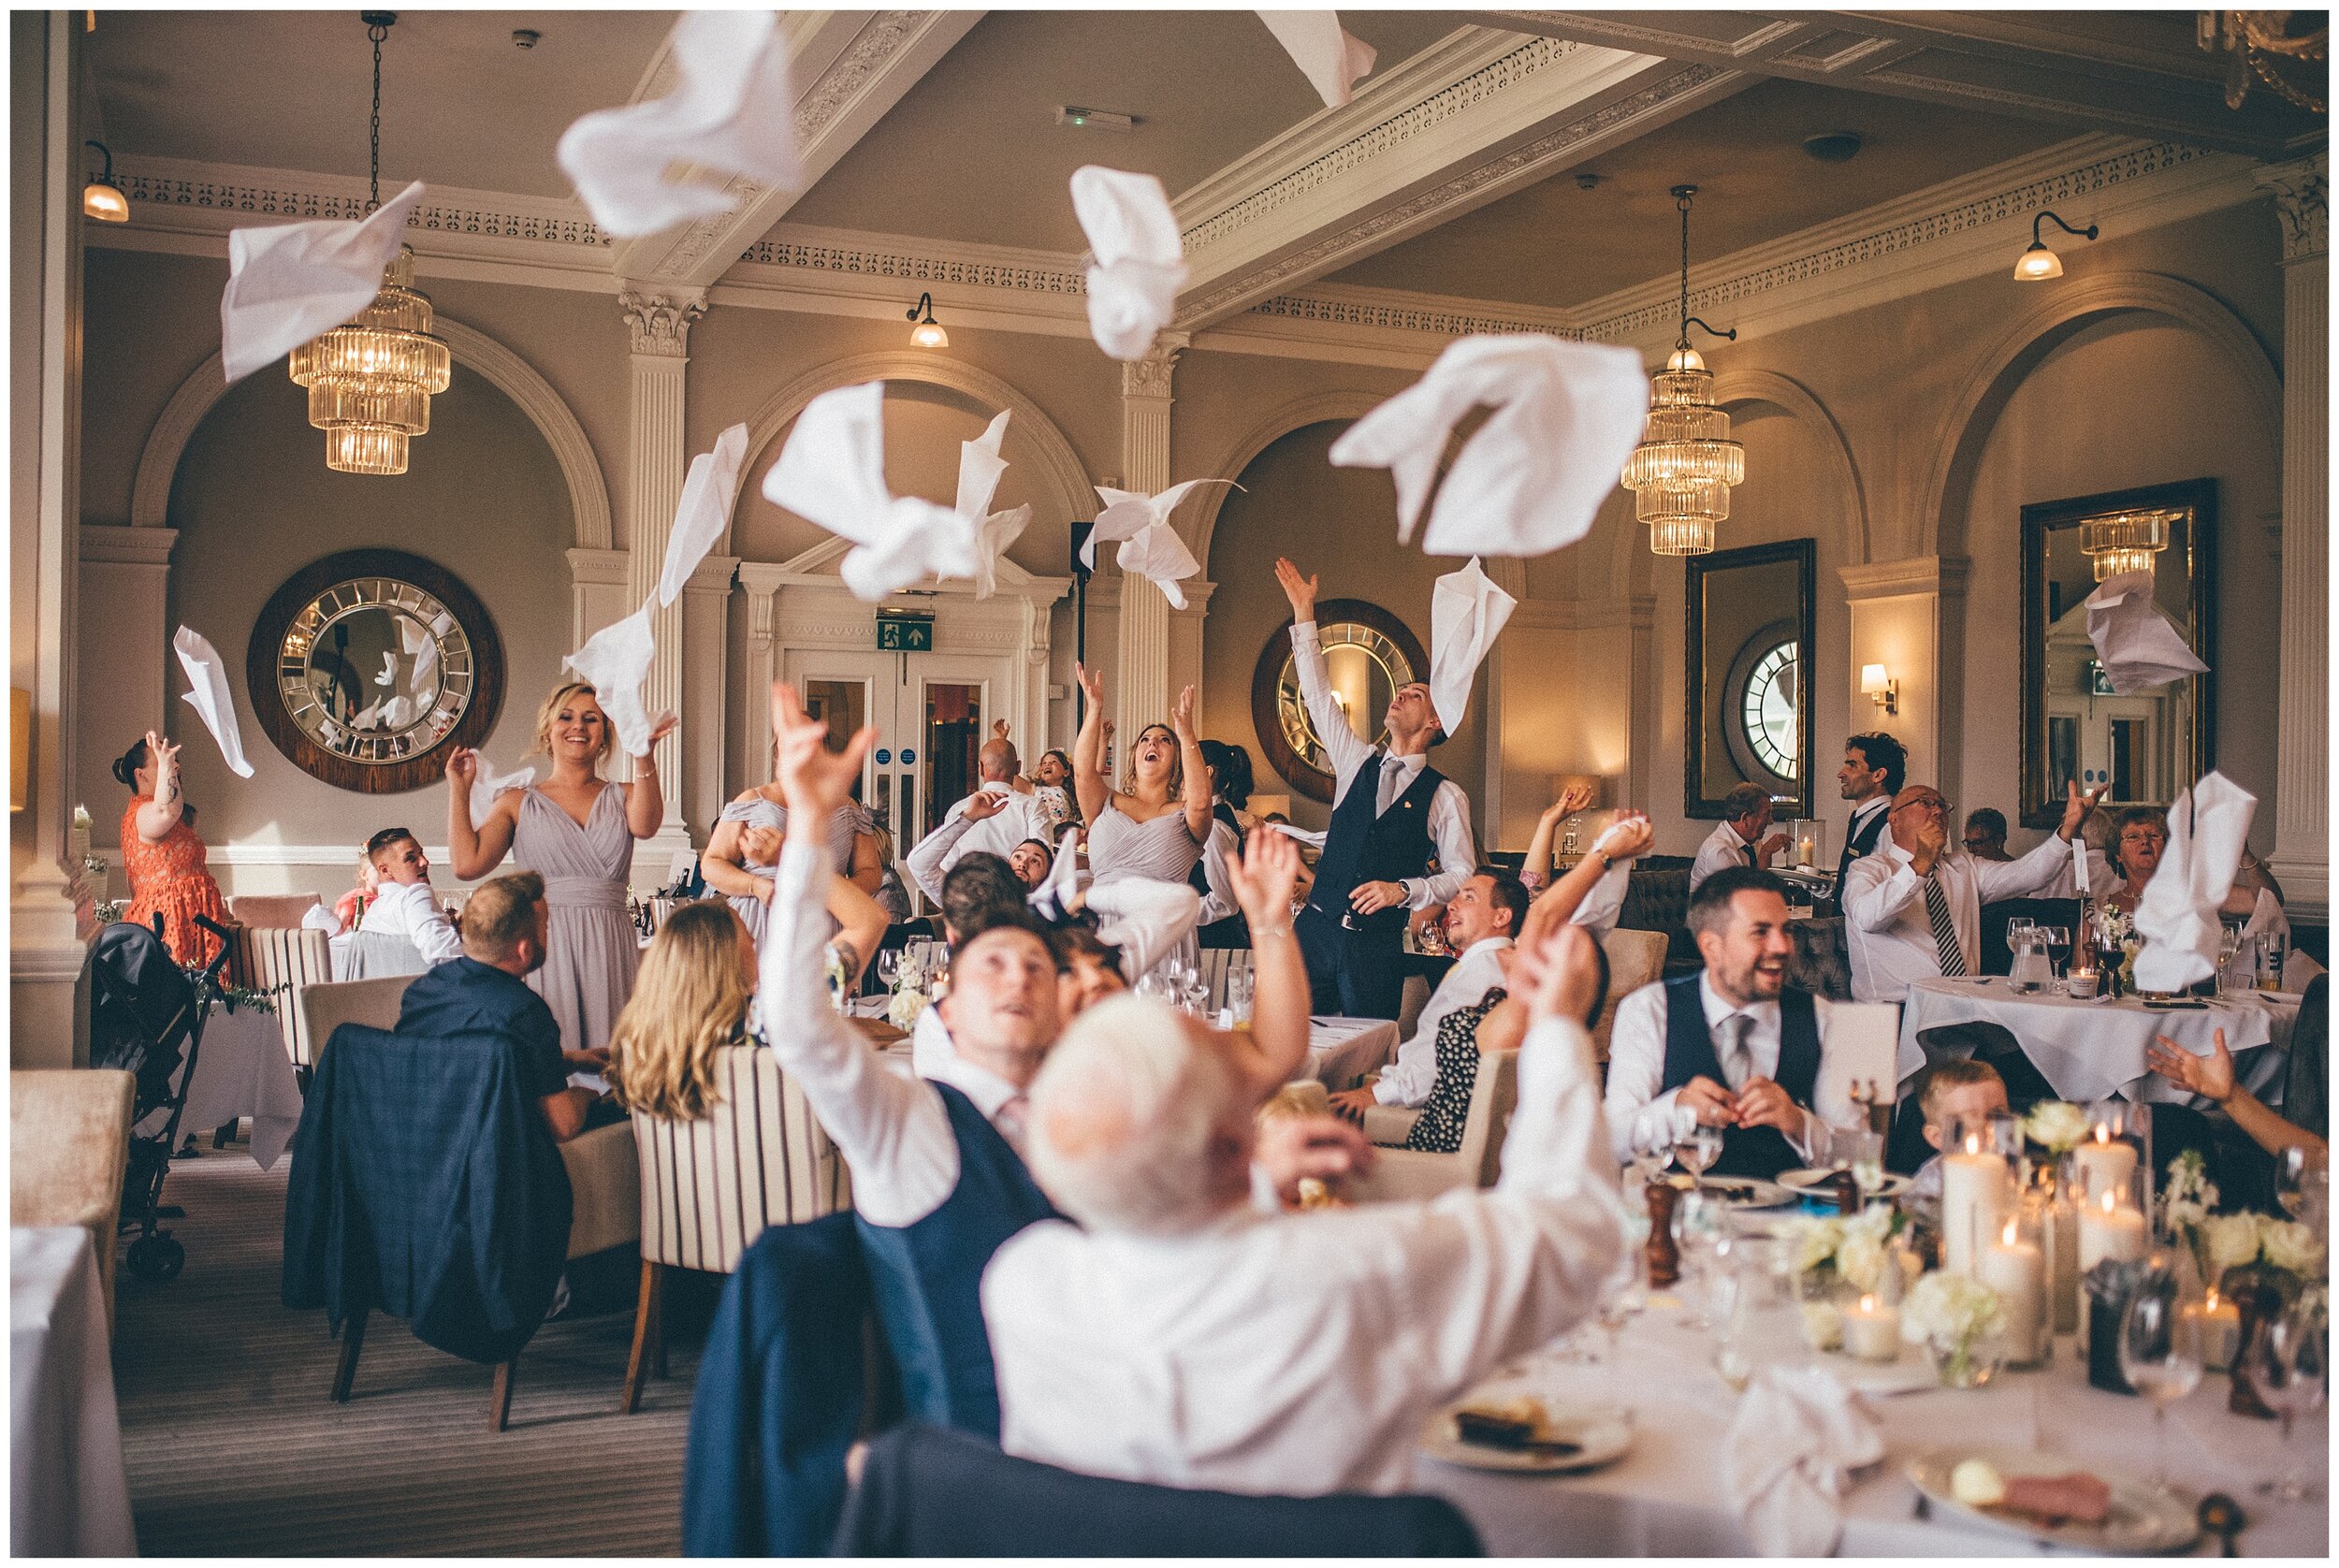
(233, 1448)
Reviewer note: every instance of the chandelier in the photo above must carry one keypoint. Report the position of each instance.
(2121, 542)
(370, 380)
(1681, 473)
(2273, 47)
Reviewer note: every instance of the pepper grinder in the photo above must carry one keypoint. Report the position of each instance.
(1664, 1257)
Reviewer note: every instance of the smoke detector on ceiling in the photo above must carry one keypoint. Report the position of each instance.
(1833, 147)
(525, 37)
(1093, 119)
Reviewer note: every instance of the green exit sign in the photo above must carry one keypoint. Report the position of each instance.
(905, 631)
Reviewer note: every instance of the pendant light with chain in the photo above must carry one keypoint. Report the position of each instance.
(371, 380)
(1681, 473)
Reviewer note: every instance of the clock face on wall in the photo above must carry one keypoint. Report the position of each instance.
(1767, 709)
(367, 663)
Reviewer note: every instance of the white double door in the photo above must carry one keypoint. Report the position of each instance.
(932, 711)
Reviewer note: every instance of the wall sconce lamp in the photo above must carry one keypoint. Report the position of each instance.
(101, 198)
(1879, 687)
(2038, 263)
(928, 333)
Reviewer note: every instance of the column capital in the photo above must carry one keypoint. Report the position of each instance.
(659, 320)
(1150, 377)
(2301, 196)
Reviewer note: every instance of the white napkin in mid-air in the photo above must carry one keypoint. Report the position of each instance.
(487, 784)
(731, 113)
(1466, 614)
(1332, 61)
(290, 283)
(2139, 646)
(704, 512)
(208, 694)
(831, 472)
(1150, 547)
(615, 661)
(1603, 906)
(1529, 481)
(980, 467)
(1139, 266)
(1052, 898)
(1788, 1457)
(2177, 915)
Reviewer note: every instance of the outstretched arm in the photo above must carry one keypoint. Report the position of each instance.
(1277, 1046)
(472, 852)
(645, 801)
(1196, 773)
(161, 813)
(1088, 776)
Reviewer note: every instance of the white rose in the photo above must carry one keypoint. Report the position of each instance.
(1818, 1239)
(2232, 1240)
(2292, 1246)
(903, 1010)
(1861, 1261)
(2057, 1124)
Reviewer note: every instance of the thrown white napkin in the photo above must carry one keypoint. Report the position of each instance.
(614, 661)
(289, 283)
(1466, 614)
(1332, 61)
(1052, 898)
(1788, 1457)
(980, 467)
(320, 916)
(423, 649)
(1529, 481)
(833, 472)
(731, 113)
(2079, 864)
(1150, 547)
(2267, 917)
(2177, 915)
(704, 512)
(208, 694)
(1133, 284)
(2139, 646)
(487, 784)
(1312, 839)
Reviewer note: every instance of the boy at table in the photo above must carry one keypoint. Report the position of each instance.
(1954, 1089)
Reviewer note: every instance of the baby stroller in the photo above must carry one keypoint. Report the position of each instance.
(143, 1008)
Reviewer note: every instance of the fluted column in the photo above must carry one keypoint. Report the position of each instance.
(1509, 574)
(1143, 673)
(2302, 858)
(660, 325)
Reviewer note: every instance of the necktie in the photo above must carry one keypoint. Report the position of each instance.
(1944, 929)
(1737, 1057)
(1393, 779)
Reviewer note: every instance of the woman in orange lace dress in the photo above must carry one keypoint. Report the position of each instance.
(169, 871)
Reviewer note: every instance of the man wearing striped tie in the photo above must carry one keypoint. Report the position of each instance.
(1913, 908)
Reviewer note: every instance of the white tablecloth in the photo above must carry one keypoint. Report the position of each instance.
(2091, 1050)
(1664, 1497)
(67, 1496)
(243, 1070)
(1340, 1051)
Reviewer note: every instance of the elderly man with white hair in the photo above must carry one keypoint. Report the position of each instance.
(1179, 1336)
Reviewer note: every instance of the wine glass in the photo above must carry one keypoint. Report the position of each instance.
(2288, 1365)
(2295, 1169)
(888, 966)
(2058, 945)
(1696, 1143)
(2229, 947)
(2160, 1355)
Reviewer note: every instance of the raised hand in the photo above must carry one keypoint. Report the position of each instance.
(2211, 1076)
(462, 767)
(661, 726)
(984, 805)
(1265, 878)
(1300, 590)
(814, 778)
(1092, 682)
(1182, 716)
(999, 729)
(2076, 807)
(1626, 838)
(1771, 846)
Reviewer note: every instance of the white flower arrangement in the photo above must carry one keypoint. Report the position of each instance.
(1856, 1250)
(2220, 1242)
(903, 1010)
(2189, 1195)
(1946, 1309)
(2055, 1125)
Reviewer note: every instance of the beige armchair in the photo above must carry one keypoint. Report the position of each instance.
(278, 910)
(278, 962)
(1636, 958)
(1411, 1173)
(324, 1006)
(68, 1145)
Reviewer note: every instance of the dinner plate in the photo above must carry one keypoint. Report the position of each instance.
(2142, 1518)
(1745, 1192)
(1821, 1181)
(1603, 1433)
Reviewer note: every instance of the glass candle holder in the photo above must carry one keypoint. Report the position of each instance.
(2018, 1264)
(1977, 1190)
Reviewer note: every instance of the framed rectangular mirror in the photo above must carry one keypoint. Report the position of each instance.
(2146, 747)
(1747, 655)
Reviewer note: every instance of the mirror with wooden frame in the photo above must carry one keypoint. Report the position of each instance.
(1368, 653)
(1747, 629)
(2145, 747)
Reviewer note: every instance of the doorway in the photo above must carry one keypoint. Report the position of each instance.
(932, 712)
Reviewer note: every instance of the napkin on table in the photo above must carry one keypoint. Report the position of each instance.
(1332, 61)
(290, 283)
(1531, 480)
(206, 693)
(1789, 1454)
(1139, 266)
(831, 472)
(2139, 646)
(2177, 915)
(1466, 614)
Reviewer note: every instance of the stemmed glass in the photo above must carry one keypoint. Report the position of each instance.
(2295, 1169)
(2288, 1365)
(1696, 1143)
(2160, 1355)
(2059, 946)
(888, 966)
(1653, 1147)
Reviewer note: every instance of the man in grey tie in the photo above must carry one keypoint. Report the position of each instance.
(1913, 910)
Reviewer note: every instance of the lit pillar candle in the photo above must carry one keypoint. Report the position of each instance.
(1872, 1330)
(2109, 1231)
(2016, 1269)
(1805, 851)
(2104, 1163)
(1975, 1195)
(2221, 1330)
(2062, 1239)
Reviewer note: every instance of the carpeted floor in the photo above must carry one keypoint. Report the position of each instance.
(233, 1448)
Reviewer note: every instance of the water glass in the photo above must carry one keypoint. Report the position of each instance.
(1238, 988)
(2288, 1365)
(2297, 1169)
(2161, 1358)
(1696, 1144)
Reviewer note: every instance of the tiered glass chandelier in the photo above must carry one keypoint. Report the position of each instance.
(1681, 473)
(371, 380)
(2121, 542)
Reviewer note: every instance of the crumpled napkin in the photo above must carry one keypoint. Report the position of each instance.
(979, 469)
(1531, 480)
(320, 916)
(2138, 644)
(2177, 915)
(208, 694)
(1467, 613)
(487, 784)
(1604, 904)
(615, 661)
(831, 472)
(1788, 1459)
(1332, 61)
(1140, 266)
(704, 512)
(290, 283)
(731, 113)
(1150, 547)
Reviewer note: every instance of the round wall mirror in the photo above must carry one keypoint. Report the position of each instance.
(1368, 653)
(1761, 696)
(366, 665)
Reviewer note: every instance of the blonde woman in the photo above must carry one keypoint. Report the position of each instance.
(576, 830)
(691, 998)
(1155, 827)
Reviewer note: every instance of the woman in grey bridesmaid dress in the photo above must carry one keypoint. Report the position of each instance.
(1155, 828)
(576, 830)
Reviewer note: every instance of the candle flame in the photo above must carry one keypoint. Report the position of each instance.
(2110, 1202)
(2011, 1233)
(2103, 1133)
(2213, 1299)
(1868, 1303)
(1973, 1143)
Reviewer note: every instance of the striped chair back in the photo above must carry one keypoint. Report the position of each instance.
(277, 961)
(756, 1158)
(1220, 965)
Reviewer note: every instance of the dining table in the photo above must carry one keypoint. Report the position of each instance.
(68, 1495)
(1666, 1497)
(1340, 1051)
(242, 1071)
